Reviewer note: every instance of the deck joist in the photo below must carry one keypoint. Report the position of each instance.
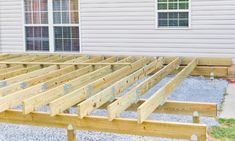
(90, 82)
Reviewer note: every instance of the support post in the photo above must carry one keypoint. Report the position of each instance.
(196, 117)
(194, 138)
(70, 133)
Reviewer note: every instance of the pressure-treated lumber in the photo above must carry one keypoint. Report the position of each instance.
(204, 61)
(5, 57)
(20, 58)
(160, 96)
(196, 117)
(132, 96)
(18, 67)
(178, 108)
(38, 72)
(17, 97)
(45, 97)
(101, 124)
(77, 96)
(107, 94)
(24, 70)
(71, 133)
(58, 83)
(56, 63)
(64, 74)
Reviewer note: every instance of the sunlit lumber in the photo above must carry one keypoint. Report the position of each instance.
(160, 96)
(132, 96)
(78, 95)
(109, 93)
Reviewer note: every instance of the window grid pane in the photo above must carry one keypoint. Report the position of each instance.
(36, 11)
(171, 14)
(173, 19)
(172, 4)
(65, 11)
(37, 38)
(66, 38)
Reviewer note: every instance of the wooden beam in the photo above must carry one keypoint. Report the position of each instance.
(37, 72)
(44, 98)
(24, 70)
(17, 97)
(57, 63)
(204, 61)
(178, 108)
(77, 96)
(196, 117)
(160, 96)
(20, 67)
(101, 124)
(20, 58)
(206, 71)
(107, 94)
(6, 57)
(131, 97)
(71, 133)
(65, 74)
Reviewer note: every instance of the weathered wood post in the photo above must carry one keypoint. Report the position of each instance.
(70, 133)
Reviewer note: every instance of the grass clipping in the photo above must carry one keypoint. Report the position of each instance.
(226, 131)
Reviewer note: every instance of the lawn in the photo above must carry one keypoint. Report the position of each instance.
(226, 131)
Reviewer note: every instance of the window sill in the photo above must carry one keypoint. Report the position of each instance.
(173, 28)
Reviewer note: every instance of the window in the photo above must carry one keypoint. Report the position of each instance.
(36, 25)
(37, 38)
(39, 30)
(65, 13)
(172, 13)
(36, 12)
(66, 38)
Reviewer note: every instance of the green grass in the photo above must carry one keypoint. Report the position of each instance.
(225, 131)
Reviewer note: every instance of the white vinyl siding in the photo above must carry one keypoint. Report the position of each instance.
(128, 27)
(11, 26)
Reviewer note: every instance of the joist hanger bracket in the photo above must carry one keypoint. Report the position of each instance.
(66, 88)
(137, 97)
(23, 85)
(3, 83)
(113, 94)
(89, 90)
(44, 86)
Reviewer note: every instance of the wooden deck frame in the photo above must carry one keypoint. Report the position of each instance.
(96, 81)
(161, 95)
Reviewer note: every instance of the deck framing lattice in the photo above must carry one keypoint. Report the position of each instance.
(90, 82)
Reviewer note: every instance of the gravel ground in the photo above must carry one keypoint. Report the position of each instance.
(196, 89)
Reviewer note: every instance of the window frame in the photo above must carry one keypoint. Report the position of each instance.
(173, 10)
(25, 25)
(65, 25)
(50, 26)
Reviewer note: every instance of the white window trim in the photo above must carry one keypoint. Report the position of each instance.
(50, 26)
(179, 10)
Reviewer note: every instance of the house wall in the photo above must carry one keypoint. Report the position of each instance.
(128, 27)
(11, 29)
